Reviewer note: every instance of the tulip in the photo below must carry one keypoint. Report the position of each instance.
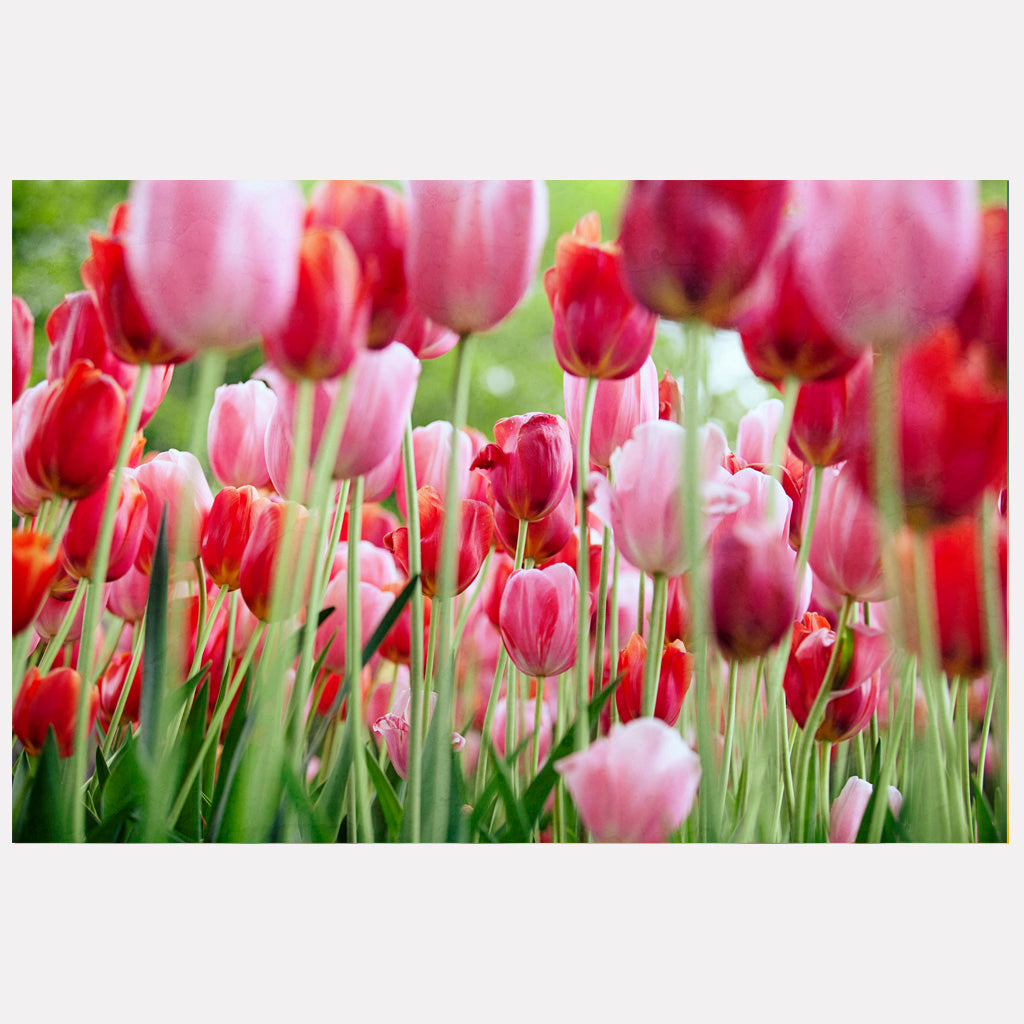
(373, 604)
(881, 262)
(128, 328)
(226, 532)
(528, 465)
(76, 331)
(619, 407)
(26, 494)
(328, 320)
(432, 447)
(670, 401)
(237, 431)
(498, 572)
(846, 549)
(424, 338)
(373, 220)
(537, 619)
(174, 480)
(264, 578)
(982, 320)
(644, 506)
(848, 809)
(112, 682)
(22, 345)
(46, 702)
(476, 524)
(393, 728)
(691, 247)
(952, 434)
(78, 432)
(127, 596)
(376, 564)
(473, 248)
(214, 263)
(855, 686)
(524, 728)
(544, 537)
(820, 417)
(600, 330)
(636, 786)
(33, 571)
(960, 611)
(674, 678)
(377, 523)
(396, 644)
(79, 541)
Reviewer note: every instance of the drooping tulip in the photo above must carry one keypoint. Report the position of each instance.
(22, 343)
(473, 248)
(691, 247)
(236, 433)
(674, 677)
(50, 701)
(33, 571)
(214, 263)
(881, 262)
(537, 619)
(600, 330)
(636, 786)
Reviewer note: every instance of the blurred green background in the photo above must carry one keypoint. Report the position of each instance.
(514, 366)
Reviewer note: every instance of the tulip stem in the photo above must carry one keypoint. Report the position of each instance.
(210, 373)
(790, 392)
(94, 602)
(512, 692)
(57, 640)
(602, 609)
(581, 672)
(471, 602)
(538, 700)
(964, 738)
(417, 692)
(893, 738)
(60, 528)
(730, 726)
(613, 629)
(641, 600)
(122, 698)
(485, 735)
(824, 762)
(652, 664)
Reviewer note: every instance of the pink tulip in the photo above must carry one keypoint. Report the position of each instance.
(848, 809)
(174, 479)
(393, 728)
(373, 603)
(882, 261)
(214, 263)
(128, 595)
(636, 786)
(545, 537)
(619, 407)
(432, 447)
(537, 619)
(644, 506)
(376, 565)
(424, 338)
(26, 494)
(22, 344)
(846, 549)
(524, 728)
(237, 431)
(473, 248)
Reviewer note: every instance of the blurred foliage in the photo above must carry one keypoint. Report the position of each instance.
(513, 366)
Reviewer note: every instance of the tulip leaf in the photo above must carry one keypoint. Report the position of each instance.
(190, 822)
(242, 724)
(126, 787)
(518, 823)
(330, 807)
(390, 618)
(42, 820)
(154, 652)
(387, 799)
(296, 792)
(988, 830)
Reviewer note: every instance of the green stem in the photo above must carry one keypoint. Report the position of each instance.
(641, 600)
(602, 609)
(893, 739)
(485, 735)
(994, 628)
(512, 692)
(964, 736)
(57, 640)
(986, 725)
(652, 664)
(790, 391)
(122, 699)
(824, 796)
(730, 726)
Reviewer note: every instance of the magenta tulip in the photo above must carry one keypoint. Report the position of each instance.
(473, 248)
(537, 619)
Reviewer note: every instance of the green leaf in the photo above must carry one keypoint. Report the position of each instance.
(154, 653)
(126, 787)
(296, 793)
(518, 824)
(41, 820)
(112, 829)
(331, 805)
(241, 728)
(190, 821)
(386, 796)
(988, 830)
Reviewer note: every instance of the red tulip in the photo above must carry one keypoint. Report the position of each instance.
(691, 247)
(673, 680)
(112, 682)
(819, 431)
(33, 571)
(22, 345)
(983, 318)
(263, 574)
(79, 542)
(600, 330)
(396, 644)
(424, 338)
(226, 533)
(50, 701)
(372, 218)
(670, 401)
(544, 537)
(78, 433)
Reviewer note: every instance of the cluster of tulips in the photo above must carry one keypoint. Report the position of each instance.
(607, 626)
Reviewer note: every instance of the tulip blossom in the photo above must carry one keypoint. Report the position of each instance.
(537, 619)
(33, 571)
(982, 319)
(691, 247)
(372, 219)
(952, 431)
(523, 728)
(821, 418)
(22, 344)
(600, 330)
(79, 542)
(393, 728)
(644, 506)
(214, 263)
(376, 564)
(174, 480)
(330, 637)
(636, 786)
(78, 432)
(846, 549)
(473, 248)
(545, 537)
(848, 809)
(26, 494)
(432, 454)
(619, 407)
(109, 688)
(226, 533)
(674, 677)
(855, 685)
(127, 596)
(476, 524)
(528, 465)
(424, 338)
(670, 401)
(269, 561)
(328, 320)
(50, 701)
(881, 262)
(236, 433)
(396, 644)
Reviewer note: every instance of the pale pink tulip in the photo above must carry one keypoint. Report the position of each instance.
(127, 596)
(619, 407)
(526, 711)
(537, 619)
(214, 263)
(473, 248)
(373, 605)
(237, 432)
(393, 728)
(848, 809)
(22, 344)
(636, 786)
(432, 447)
(26, 494)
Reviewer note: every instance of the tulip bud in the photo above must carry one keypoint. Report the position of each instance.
(670, 401)
(636, 786)
(22, 345)
(236, 435)
(848, 809)
(79, 543)
(226, 533)
(34, 570)
(46, 702)
(112, 682)
(537, 619)
(673, 680)
(600, 330)
(265, 579)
